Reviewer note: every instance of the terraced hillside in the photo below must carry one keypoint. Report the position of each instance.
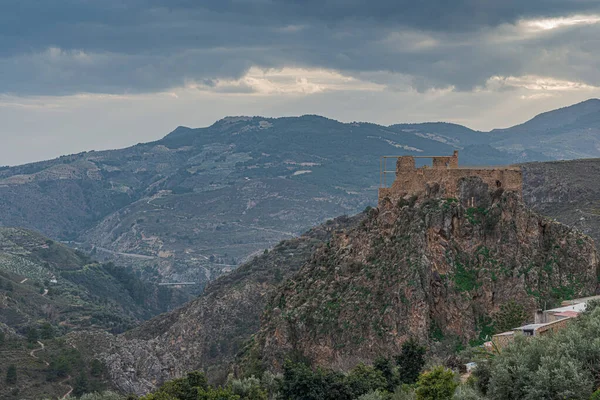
(45, 282)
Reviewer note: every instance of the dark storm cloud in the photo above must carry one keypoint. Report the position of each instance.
(118, 46)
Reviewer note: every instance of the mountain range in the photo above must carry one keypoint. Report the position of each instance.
(199, 202)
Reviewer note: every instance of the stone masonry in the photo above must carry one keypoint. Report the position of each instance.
(442, 179)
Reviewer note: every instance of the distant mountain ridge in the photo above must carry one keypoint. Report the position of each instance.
(556, 118)
(198, 202)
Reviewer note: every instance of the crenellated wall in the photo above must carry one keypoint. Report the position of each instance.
(444, 177)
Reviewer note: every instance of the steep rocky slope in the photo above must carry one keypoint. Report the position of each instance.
(208, 332)
(435, 268)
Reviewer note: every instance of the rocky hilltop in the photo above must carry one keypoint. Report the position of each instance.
(421, 268)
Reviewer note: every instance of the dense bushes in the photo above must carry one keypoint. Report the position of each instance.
(565, 365)
(385, 380)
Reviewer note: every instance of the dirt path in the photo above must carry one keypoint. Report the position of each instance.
(63, 382)
(24, 280)
(32, 352)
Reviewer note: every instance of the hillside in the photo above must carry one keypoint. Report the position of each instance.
(568, 191)
(207, 332)
(201, 201)
(563, 134)
(42, 281)
(436, 271)
(47, 369)
(359, 287)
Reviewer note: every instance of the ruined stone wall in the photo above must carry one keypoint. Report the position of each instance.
(443, 180)
(446, 162)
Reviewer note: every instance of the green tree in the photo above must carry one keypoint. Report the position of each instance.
(482, 374)
(364, 379)
(193, 387)
(81, 385)
(102, 396)
(62, 364)
(437, 384)
(410, 361)
(217, 394)
(11, 375)
(564, 365)
(2, 338)
(465, 392)
(197, 379)
(47, 331)
(300, 382)
(376, 395)
(179, 389)
(248, 389)
(511, 315)
(595, 395)
(96, 368)
(384, 365)
(32, 335)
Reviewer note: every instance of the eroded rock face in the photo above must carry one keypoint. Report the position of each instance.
(413, 269)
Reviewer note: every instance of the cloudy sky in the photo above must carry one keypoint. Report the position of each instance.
(94, 74)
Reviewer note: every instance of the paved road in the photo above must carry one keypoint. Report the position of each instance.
(142, 256)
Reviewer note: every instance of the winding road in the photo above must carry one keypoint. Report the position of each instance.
(32, 352)
(64, 381)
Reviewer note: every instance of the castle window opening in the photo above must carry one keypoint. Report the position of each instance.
(498, 184)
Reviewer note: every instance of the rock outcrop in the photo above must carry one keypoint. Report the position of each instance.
(419, 268)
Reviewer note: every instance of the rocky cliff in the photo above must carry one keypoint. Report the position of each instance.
(421, 268)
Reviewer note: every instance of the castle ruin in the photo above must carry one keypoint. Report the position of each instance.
(443, 177)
